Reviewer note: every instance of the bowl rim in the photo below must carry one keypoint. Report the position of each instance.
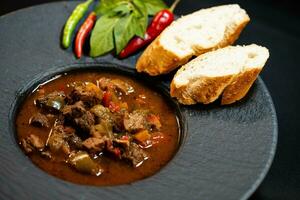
(103, 67)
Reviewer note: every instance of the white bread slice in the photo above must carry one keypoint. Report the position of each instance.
(190, 35)
(230, 70)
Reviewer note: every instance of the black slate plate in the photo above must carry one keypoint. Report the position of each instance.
(226, 153)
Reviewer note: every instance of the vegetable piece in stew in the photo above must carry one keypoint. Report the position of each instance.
(93, 128)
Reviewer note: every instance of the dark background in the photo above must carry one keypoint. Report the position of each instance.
(281, 75)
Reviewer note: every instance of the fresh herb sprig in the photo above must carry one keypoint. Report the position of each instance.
(119, 22)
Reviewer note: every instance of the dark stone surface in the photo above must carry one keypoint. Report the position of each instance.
(226, 153)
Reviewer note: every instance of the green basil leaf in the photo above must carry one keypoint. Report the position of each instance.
(140, 7)
(122, 9)
(140, 25)
(154, 6)
(120, 21)
(138, 29)
(102, 40)
(141, 17)
(123, 32)
(105, 6)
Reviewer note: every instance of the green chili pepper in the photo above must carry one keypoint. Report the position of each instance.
(72, 21)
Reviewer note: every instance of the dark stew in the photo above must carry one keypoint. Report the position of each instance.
(97, 128)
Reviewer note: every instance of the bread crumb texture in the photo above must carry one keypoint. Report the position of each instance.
(229, 72)
(193, 35)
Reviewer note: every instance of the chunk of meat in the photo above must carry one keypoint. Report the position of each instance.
(135, 121)
(52, 102)
(55, 142)
(77, 113)
(95, 144)
(60, 120)
(101, 130)
(57, 139)
(105, 83)
(86, 121)
(36, 142)
(64, 138)
(102, 113)
(63, 130)
(75, 110)
(68, 130)
(74, 141)
(140, 120)
(39, 120)
(115, 84)
(122, 86)
(114, 120)
(32, 143)
(118, 121)
(88, 92)
(135, 155)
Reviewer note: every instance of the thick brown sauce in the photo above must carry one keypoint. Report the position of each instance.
(116, 172)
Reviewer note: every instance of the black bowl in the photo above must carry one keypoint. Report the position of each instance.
(50, 75)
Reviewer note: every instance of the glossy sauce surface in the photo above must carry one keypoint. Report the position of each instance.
(116, 171)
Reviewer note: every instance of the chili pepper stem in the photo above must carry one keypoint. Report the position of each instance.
(173, 6)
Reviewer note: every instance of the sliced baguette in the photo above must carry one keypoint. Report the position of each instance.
(229, 72)
(190, 35)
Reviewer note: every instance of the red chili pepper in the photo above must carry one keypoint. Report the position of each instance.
(106, 98)
(83, 32)
(113, 107)
(160, 21)
(117, 152)
(125, 137)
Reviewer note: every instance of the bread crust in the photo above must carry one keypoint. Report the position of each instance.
(157, 60)
(231, 87)
(239, 86)
(204, 90)
(232, 36)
